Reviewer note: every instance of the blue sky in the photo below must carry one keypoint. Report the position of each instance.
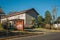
(40, 5)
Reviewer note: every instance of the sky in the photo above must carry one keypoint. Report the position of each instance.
(41, 6)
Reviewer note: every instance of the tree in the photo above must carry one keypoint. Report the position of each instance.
(40, 19)
(58, 19)
(48, 17)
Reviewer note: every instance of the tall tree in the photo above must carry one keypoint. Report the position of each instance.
(47, 17)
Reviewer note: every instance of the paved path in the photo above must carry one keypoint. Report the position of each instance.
(51, 36)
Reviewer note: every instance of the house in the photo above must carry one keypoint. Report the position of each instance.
(27, 15)
(57, 24)
(2, 14)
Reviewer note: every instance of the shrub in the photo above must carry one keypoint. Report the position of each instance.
(47, 26)
(1, 27)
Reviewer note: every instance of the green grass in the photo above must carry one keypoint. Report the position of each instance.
(1, 27)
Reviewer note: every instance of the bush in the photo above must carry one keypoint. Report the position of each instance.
(1, 27)
(47, 26)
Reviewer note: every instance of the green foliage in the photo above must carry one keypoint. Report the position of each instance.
(57, 20)
(48, 17)
(40, 19)
(5, 25)
(1, 27)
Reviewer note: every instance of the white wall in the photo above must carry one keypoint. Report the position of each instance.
(56, 25)
(21, 16)
(4, 19)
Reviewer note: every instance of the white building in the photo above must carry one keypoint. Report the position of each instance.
(26, 15)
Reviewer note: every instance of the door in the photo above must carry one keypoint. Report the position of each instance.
(19, 25)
